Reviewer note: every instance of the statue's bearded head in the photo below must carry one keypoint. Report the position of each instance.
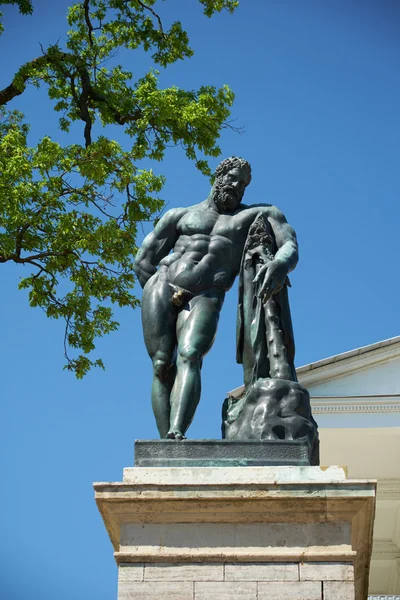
(232, 176)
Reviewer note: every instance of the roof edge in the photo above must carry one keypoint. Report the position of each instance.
(349, 354)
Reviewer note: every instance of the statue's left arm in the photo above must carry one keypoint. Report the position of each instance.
(273, 275)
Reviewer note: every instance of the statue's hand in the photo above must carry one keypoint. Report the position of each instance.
(272, 278)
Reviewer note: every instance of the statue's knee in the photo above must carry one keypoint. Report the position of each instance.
(190, 356)
(161, 368)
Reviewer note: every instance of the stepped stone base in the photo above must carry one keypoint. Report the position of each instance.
(247, 533)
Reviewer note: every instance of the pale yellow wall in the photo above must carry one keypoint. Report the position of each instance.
(373, 454)
(368, 453)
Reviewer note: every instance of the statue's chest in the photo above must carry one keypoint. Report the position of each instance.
(212, 224)
(198, 222)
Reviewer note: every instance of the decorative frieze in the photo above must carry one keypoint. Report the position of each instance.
(325, 405)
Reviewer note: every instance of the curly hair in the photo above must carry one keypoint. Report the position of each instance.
(233, 162)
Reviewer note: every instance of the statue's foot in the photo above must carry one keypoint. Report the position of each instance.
(175, 434)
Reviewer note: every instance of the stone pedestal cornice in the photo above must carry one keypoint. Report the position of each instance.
(240, 515)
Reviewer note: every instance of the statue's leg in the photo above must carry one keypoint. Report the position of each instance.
(196, 331)
(159, 318)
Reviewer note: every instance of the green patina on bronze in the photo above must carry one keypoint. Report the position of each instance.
(186, 266)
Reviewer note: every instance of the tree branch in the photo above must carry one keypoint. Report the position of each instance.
(83, 105)
(39, 256)
(82, 101)
(88, 21)
(16, 89)
(19, 238)
(67, 327)
(143, 5)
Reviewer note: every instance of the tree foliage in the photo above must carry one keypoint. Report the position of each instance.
(70, 213)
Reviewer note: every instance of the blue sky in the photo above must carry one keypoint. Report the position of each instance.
(317, 94)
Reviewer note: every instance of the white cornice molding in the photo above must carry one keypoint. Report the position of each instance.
(383, 597)
(385, 550)
(325, 405)
(388, 489)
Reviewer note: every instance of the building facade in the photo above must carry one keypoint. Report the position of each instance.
(356, 401)
(355, 398)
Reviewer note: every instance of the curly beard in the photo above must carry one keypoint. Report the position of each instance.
(225, 198)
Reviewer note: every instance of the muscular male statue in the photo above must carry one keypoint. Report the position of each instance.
(182, 299)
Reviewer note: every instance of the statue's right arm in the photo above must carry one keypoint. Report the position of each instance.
(157, 245)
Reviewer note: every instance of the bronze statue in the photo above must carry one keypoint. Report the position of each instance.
(199, 251)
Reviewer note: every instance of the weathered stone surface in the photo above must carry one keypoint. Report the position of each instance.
(226, 590)
(290, 590)
(291, 534)
(325, 571)
(152, 590)
(237, 476)
(225, 538)
(221, 453)
(262, 572)
(338, 590)
(178, 535)
(185, 572)
(130, 572)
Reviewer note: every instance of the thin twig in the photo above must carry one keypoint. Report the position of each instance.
(143, 5)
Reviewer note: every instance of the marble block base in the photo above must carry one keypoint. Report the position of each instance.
(250, 533)
(247, 581)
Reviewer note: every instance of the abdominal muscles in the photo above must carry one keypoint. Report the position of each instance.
(202, 262)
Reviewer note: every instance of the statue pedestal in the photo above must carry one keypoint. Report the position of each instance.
(248, 533)
(222, 453)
